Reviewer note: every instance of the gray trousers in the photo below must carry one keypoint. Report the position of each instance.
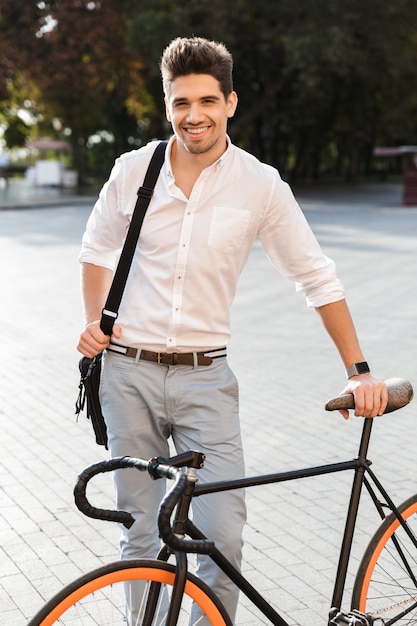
(145, 404)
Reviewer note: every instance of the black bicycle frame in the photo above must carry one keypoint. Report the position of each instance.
(360, 466)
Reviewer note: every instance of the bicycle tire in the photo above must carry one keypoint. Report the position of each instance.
(99, 597)
(383, 586)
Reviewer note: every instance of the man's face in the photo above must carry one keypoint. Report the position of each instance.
(198, 112)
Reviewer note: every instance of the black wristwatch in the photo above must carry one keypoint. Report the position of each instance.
(358, 368)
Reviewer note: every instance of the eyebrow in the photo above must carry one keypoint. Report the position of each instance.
(180, 100)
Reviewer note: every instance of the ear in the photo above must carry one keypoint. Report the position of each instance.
(232, 104)
(167, 115)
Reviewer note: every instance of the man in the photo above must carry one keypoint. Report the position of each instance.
(210, 203)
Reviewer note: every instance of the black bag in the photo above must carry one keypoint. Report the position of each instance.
(91, 368)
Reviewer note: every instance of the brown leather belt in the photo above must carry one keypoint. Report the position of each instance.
(170, 358)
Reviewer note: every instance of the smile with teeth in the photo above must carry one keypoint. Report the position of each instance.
(197, 131)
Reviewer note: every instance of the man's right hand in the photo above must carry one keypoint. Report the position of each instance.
(93, 340)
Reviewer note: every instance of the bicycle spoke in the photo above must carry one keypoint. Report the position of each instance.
(386, 582)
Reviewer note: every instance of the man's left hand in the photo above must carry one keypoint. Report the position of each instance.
(370, 395)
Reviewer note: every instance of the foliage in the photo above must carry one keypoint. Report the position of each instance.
(16, 132)
(319, 83)
(75, 53)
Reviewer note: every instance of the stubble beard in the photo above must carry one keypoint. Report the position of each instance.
(203, 148)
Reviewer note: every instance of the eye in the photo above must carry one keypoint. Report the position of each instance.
(180, 104)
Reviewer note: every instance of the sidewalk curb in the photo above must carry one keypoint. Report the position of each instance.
(48, 204)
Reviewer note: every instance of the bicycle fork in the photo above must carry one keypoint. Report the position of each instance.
(181, 562)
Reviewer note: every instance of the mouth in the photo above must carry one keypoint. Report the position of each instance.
(196, 132)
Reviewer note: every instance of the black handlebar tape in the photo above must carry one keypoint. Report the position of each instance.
(110, 465)
(400, 393)
(172, 540)
(122, 517)
(167, 506)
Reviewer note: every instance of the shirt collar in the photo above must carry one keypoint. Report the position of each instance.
(223, 159)
(168, 158)
(216, 165)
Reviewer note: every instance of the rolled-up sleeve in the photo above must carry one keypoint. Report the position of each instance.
(294, 250)
(107, 225)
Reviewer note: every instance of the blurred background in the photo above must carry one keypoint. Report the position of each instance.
(321, 83)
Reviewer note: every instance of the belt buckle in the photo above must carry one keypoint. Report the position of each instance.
(159, 358)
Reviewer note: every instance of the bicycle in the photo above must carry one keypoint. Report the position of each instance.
(385, 588)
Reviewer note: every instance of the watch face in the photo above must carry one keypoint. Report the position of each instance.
(362, 368)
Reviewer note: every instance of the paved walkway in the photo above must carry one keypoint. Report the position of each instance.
(287, 369)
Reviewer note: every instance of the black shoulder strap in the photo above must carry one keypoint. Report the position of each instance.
(111, 308)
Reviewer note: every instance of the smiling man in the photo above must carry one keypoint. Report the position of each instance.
(165, 371)
(198, 112)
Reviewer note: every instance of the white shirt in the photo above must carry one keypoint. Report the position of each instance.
(191, 250)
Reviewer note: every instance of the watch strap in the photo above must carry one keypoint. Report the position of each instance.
(358, 368)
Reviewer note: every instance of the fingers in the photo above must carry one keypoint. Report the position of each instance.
(371, 401)
(117, 331)
(344, 413)
(370, 394)
(92, 340)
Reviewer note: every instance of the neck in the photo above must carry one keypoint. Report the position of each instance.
(187, 167)
(183, 158)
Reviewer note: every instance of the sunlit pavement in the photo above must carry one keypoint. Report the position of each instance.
(287, 369)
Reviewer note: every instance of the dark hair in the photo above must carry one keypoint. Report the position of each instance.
(195, 55)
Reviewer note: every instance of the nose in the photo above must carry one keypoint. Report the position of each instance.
(194, 114)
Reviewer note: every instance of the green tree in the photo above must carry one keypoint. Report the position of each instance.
(318, 82)
(89, 73)
(74, 52)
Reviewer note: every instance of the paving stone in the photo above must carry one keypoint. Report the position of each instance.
(287, 368)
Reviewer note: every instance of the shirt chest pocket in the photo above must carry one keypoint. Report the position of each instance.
(228, 229)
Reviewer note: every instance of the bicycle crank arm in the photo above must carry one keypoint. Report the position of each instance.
(353, 618)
